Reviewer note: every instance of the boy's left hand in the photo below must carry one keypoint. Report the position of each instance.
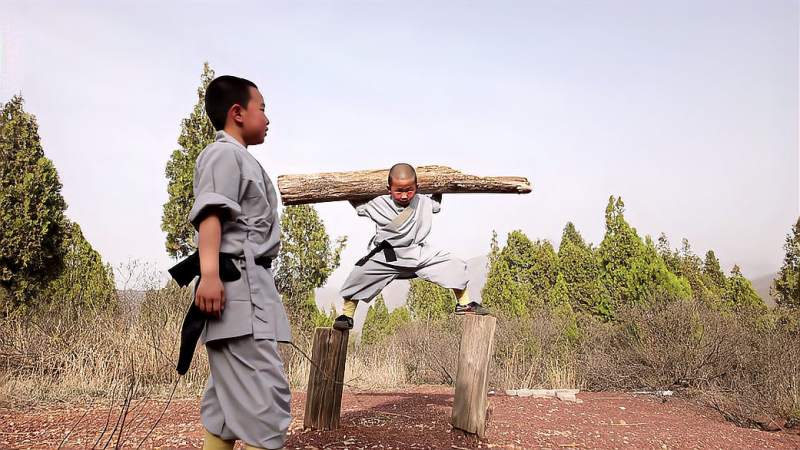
(210, 296)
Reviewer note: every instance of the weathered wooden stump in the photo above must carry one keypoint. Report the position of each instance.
(326, 379)
(471, 402)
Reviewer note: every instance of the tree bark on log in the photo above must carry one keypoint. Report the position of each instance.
(368, 184)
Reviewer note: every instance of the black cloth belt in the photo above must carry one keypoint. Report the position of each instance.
(383, 246)
(194, 322)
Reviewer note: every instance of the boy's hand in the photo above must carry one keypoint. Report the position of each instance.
(210, 296)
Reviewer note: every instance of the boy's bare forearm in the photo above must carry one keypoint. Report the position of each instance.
(208, 244)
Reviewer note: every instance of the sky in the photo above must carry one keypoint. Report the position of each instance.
(686, 109)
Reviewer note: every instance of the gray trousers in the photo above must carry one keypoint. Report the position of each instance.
(367, 281)
(247, 396)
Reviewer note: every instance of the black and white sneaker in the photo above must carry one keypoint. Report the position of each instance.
(471, 308)
(343, 323)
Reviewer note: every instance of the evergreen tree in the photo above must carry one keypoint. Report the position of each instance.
(306, 260)
(381, 323)
(562, 311)
(429, 301)
(85, 280)
(559, 294)
(714, 274)
(739, 292)
(376, 323)
(786, 288)
(671, 258)
(521, 275)
(494, 250)
(581, 271)
(691, 268)
(544, 272)
(632, 270)
(196, 133)
(704, 276)
(32, 222)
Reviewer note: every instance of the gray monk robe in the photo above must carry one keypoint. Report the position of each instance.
(247, 396)
(406, 230)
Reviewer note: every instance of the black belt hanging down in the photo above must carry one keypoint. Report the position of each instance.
(385, 247)
(194, 322)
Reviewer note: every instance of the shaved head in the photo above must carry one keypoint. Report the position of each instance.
(402, 171)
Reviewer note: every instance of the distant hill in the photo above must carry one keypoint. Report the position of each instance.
(762, 284)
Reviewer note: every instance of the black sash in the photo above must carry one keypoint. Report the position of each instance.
(383, 246)
(194, 322)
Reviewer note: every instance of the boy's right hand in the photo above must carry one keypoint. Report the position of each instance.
(210, 296)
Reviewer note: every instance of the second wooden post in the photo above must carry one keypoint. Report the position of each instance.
(475, 352)
(326, 379)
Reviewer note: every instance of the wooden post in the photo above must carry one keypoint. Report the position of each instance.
(475, 351)
(325, 381)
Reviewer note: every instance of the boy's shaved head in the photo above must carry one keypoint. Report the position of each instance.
(402, 171)
(224, 92)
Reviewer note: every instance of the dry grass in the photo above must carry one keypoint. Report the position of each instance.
(746, 364)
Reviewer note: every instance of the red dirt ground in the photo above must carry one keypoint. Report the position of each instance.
(414, 419)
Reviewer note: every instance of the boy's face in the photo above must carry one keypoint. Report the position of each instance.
(254, 120)
(403, 190)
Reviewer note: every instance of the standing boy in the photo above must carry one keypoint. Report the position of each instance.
(235, 213)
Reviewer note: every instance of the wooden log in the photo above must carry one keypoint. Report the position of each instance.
(368, 184)
(471, 402)
(325, 379)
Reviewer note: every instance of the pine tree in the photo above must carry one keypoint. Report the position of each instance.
(196, 133)
(739, 292)
(306, 260)
(429, 301)
(671, 258)
(381, 323)
(691, 267)
(562, 311)
(559, 294)
(85, 280)
(521, 275)
(786, 288)
(580, 268)
(32, 222)
(713, 273)
(632, 270)
(494, 250)
(544, 272)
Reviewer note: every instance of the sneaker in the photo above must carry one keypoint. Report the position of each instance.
(343, 323)
(471, 308)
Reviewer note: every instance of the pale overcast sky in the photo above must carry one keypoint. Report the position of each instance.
(687, 109)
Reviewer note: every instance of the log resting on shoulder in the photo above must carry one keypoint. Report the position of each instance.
(367, 184)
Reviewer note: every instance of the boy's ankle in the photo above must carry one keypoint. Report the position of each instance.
(349, 308)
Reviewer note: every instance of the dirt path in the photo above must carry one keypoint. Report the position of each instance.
(415, 418)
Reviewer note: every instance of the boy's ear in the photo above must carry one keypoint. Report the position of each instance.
(236, 113)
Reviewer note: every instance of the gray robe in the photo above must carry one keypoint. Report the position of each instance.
(247, 396)
(408, 236)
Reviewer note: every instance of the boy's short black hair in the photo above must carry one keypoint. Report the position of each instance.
(224, 92)
(404, 167)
